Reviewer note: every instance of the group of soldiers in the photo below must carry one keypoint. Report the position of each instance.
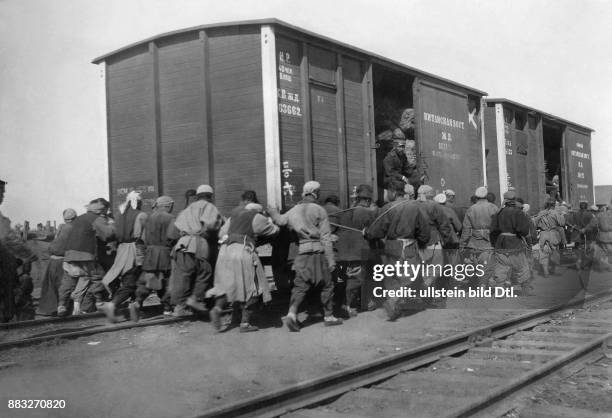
(200, 257)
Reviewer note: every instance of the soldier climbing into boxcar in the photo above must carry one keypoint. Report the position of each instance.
(82, 281)
(397, 167)
(197, 227)
(239, 275)
(315, 260)
(509, 229)
(406, 229)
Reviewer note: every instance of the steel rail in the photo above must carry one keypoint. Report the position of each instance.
(87, 332)
(531, 377)
(60, 320)
(317, 390)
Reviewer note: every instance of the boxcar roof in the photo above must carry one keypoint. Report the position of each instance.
(544, 114)
(280, 23)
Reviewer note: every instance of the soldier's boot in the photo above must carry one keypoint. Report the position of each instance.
(109, 311)
(134, 309)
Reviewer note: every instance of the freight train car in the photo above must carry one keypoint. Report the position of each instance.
(536, 153)
(264, 105)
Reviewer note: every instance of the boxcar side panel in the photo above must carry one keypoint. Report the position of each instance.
(357, 160)
(184, 162)
(491, 150)
(131, 127)
(443, 140)
(324, 139)
(475, 142)
(236, 106)
(579, 166)
(535, 168)
(290, 115)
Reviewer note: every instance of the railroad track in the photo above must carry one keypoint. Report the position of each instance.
(458, 376)
(24, 333)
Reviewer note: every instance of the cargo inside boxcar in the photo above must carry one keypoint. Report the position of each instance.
(393, 113)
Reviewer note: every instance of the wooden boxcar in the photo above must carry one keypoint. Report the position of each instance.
(264, 105)
(525, 148)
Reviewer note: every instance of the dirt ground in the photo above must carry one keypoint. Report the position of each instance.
(184, 369)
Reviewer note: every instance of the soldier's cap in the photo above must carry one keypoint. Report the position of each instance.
(583, 201)
(399, 141)
(510, 195)
(440, 198)
(163, 201)
(69, 214)
(449, 192)
(310, 187)
(409, 189)
(204, 188)
(426, 190)
(481, 192)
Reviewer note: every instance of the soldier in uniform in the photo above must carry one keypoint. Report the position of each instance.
(353, 249)
(475, 233)
(450, 202)
(406, 229)
(198, 226)
(578, 222)
(82, 272)
(440, 227)
(156, 265)
(129, 227)
(550, 223)
(509, 229)
(397, 168)
(239, 275)
(315, 260)
(452, 245)
(602, 223)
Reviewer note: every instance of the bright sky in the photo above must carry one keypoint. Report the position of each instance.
(553, 55)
